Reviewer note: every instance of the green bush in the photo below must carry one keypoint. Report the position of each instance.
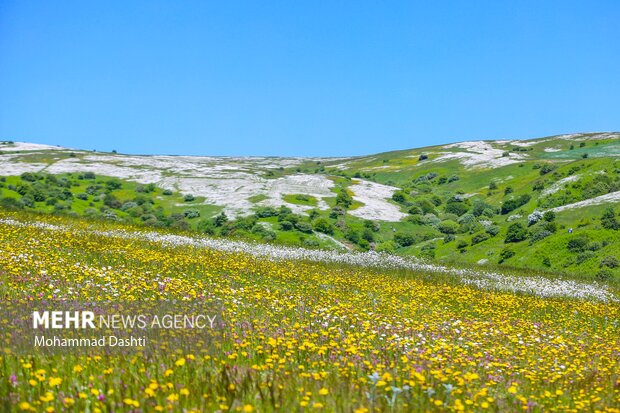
(609, 262)
(304, 227)
(506, 254)
(404, 240)
(604, 274)
(286, 225)
(516, 233)
(478, 238)
(514, 203)
(448, 227)
(456, 207)
(323, 225)
(577, 244)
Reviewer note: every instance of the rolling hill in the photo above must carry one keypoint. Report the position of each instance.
(548, 204)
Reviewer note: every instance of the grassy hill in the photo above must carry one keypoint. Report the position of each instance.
(547, 204)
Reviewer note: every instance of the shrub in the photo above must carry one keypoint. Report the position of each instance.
(610, 262)
(584, 256)
(404, 240)
(286, 225)
(549, 216)
(426, 206)
(336, 212)
(478, 238)
(191, 213)
(28, 176)
(505, 254)
(266, 212)
(207, 226)
(468, 223)
(323, 225)
(604, 274)
(423, 157)
(546, 168)
(353, 236)
(220, 219)
(493, 230)
(372, 225)
(448, 238)
(113, 184)
(448, 227)
(461, 245)
(428, 251)
(514, 203)
(343, 199)
(309, 242)
(456, 207)
(480, 208)
(387, 246)
(128, 205)
(538, 235)
(368, 235)
(188, 198)
(608, 219)
(534, 217)
(10, 203)
(551, 227)
(304, 227)
(398, 196)
(577, 244)
(516, 233)
(111, 201)
(83, 196)
(167, 192)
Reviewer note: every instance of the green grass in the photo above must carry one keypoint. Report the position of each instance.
(300, 199)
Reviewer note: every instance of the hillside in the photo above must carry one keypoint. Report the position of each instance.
(546, 204)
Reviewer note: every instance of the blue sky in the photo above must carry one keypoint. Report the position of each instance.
(304, 77)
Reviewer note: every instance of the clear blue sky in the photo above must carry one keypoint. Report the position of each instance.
(304, 77)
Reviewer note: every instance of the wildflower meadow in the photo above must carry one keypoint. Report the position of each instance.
(306, 330)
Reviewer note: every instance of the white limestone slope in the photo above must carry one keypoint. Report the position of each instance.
(229, 182)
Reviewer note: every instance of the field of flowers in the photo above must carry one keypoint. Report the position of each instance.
(308, 330)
